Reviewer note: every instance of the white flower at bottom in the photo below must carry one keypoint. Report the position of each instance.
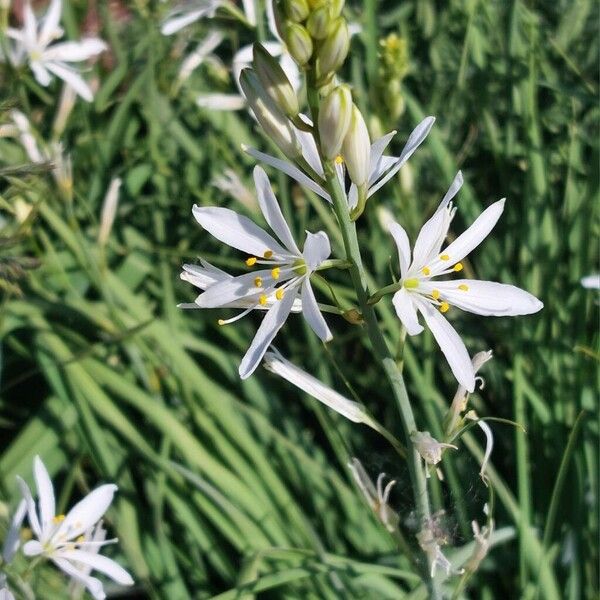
(64, 539)
(419, 291)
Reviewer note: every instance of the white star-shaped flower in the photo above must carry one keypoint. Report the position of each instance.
(421, 292)
(277, 287)
(65, 539)
(33, 44)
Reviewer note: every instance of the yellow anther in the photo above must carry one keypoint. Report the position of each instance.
(279, 294)
(268, 253)
(221, 321)
(258, 282)
(464, 287)
(251, 261)
(339, 159)
(458, 267)
(426, 271)
(58, 519)
(80, 539)
(435, 294)
(444, 307)
(275, 272)
(262, 299)
(445, 257)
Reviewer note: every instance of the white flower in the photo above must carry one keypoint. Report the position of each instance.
(287, 274)
(274, 362)
(431, 298)
(377, 497)
(186, 13)
(5, 593)
(12, 540)
(428, 447)
(33, 44)
(591, 282)
(62, 539)
(381, 168)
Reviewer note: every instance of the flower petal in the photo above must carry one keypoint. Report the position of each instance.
(86, 513)
(50, 23)
(403, 245)
(236, 231)
(450, 344)
(75, 51)
(32, 516)
(105, 565)
(316, 249)
(378, 166)
(406, 311)
(179, 21)
(234, 289)
(32, 548)
(488, 297)
(221, 101)
(204, 275)
(312, 314)
(41, 74)
(271, 324)
(93, 585)
(72, 78)
(45, 492)
(12, 540)
(275, 363)
(272, 212)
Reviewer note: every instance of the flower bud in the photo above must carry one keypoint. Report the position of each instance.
(275, 81)
(319, 22)
(299, 43)
(333, 52)
(334, 119)
(272, 120)
(356, 149)
(336, 7)
(296, 10)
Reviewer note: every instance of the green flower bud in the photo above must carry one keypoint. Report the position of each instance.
(319, 22)
(275, 81)
(296, 10)
(335, 113)
(298, 43)
(356, 149)
(279, 17)
(333, 51)
(275, 124)
(336, 8)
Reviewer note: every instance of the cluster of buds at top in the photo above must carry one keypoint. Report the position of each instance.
(316, 35)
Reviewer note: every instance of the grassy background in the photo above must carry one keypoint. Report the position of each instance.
(104, 377)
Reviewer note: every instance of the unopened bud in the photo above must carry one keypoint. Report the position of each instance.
(353, 316)
(319, 22)
(296, 10)
(336, 7)
(356, 149)
(275, 81)
(334, 119)
(272, 120)
(299, 43)
(333, 52)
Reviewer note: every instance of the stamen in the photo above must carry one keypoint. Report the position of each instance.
(339, 159)
(268, 253)
(444, 307)
(464, 287)
(435, 294)
(275, 272)
(445, 257)
(258, 282)
(236, 318)
(458, 267)
(251, 261)
(80, 539)
(426, 271)
(58, 519)
(279, 294)
(262, 299)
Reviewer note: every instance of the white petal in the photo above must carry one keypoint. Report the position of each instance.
(51, 22)
(72, 78)
(29, 23)
(12, 541)
(275, 363)
(467, 241)
(250, 11)
(105, 565)
(377, 166)
(289, 169)
(32, 516)
(221, 101)
(454, 188)
(32, 548)
(41, 74)
(75, 51)
(309, 150)
(450, 344)
(489, 446)
(415, 139)
(203, 276)
(5, 594)
(236, 231)
(406, 311)
(403, 245)
(45, 492)
(271, 211)
(271, 324)
(234, 289)
(591, 282)
(364, 482)
(86, 513)
(93, 585)
(316, 249)
(174, 24)
(312, 314)
(488, 297)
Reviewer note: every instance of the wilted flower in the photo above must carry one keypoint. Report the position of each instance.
(482, 538)
(33, 44)
(62, 539)
(109, 210)
(429, 544)
(428, 447)
(433, 298)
